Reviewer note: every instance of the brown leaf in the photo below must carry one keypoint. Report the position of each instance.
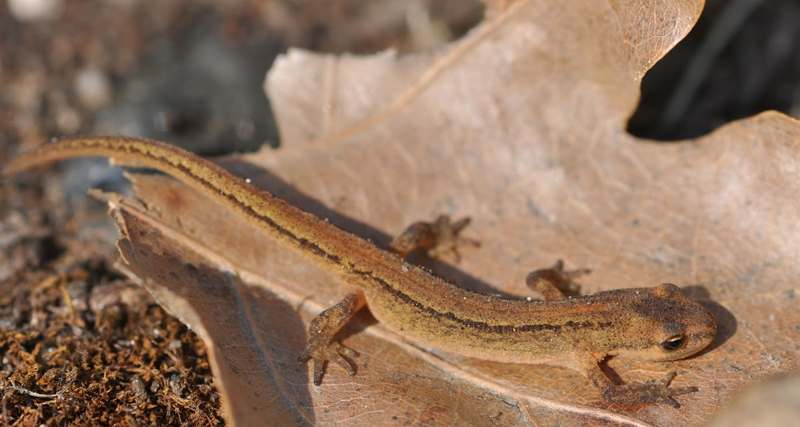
(519, 125)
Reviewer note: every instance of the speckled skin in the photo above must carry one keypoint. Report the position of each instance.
(578, 332)
(629, 322)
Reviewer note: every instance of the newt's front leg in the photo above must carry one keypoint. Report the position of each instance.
(321, 346)
(653, 391)
(555, 283)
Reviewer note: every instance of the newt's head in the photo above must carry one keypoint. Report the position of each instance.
(672, 325)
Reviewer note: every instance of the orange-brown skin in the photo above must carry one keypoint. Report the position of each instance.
(578, 332)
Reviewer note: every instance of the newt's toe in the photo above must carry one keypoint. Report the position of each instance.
(657, 391)
(321, 354)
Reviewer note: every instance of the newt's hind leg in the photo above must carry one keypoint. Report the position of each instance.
(436, 238)
(321, 347)
(555, 283)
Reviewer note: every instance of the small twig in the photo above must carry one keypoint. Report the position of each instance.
(30, 393)
(47, 283)
(5, 412)
(68, 301)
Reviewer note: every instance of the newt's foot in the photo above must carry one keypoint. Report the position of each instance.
(436, 238)
(656, 391)
(321, 353)
(322, 346)
(555, 282)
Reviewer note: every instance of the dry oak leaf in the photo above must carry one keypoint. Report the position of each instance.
(520, 125)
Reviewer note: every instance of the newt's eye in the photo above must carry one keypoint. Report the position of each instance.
(674, 342)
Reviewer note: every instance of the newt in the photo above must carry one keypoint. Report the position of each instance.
(655, 324)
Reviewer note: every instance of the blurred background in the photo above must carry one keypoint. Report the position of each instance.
(191, 72)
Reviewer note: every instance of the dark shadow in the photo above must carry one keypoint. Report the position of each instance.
(726, 322)
(739, 60)
(264, 179)
(610, 373)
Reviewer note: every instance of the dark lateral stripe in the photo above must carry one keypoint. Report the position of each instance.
(301, 241)
(366, 275)
(475, 324)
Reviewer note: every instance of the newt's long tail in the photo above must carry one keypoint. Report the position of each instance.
(124, 151)
(269, 213)
(192, 170)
